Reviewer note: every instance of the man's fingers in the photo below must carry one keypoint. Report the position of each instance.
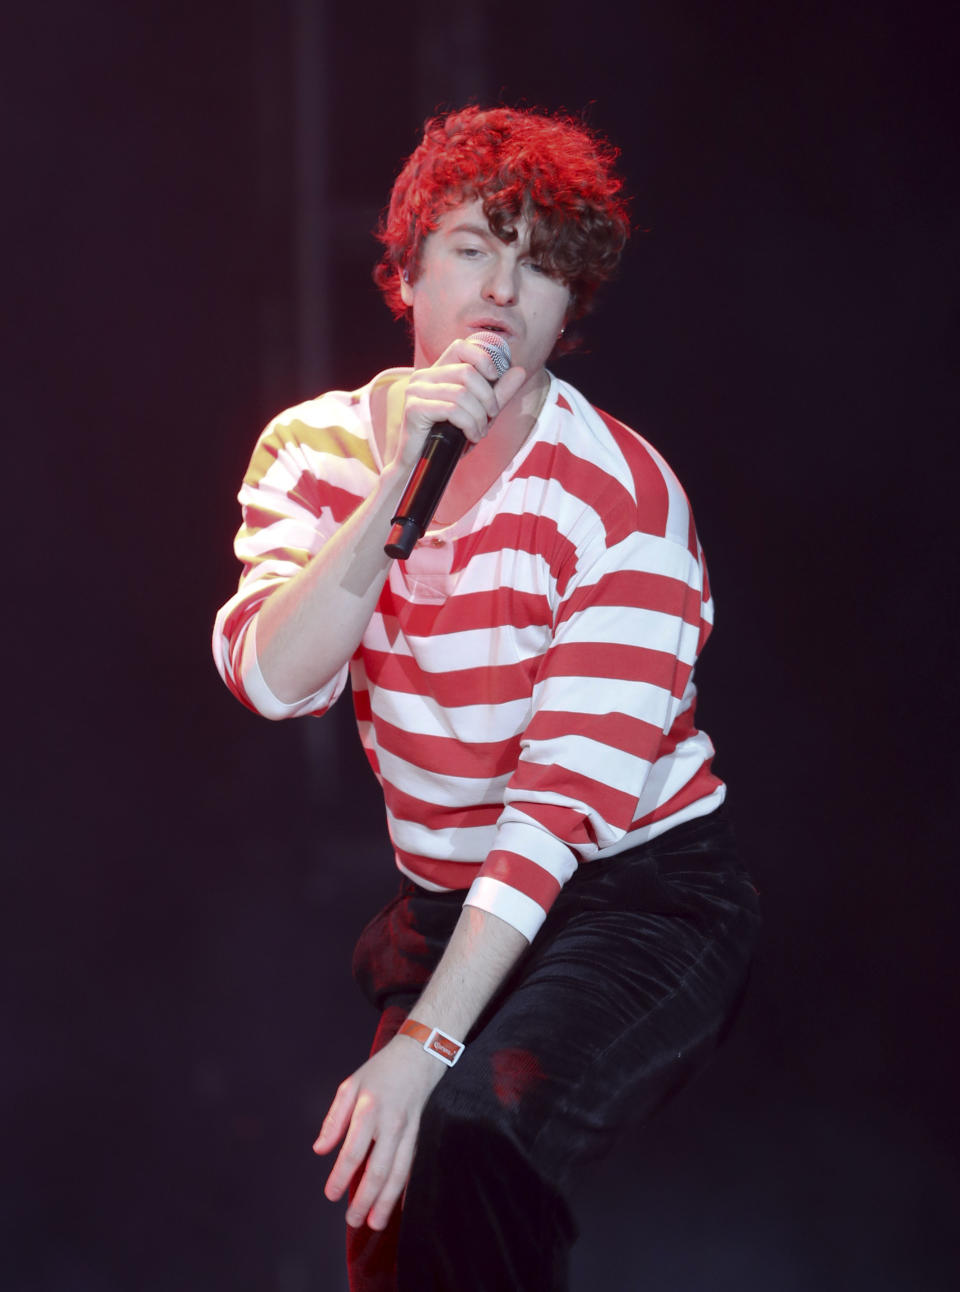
(337, 1119)
(456, 387)
(471, 406)
(349, 1159)
(379, 1214)
(467, 351)
(390, 1135)
(508, 385)
(459, 407)
(384, 1153)
(377, 1173)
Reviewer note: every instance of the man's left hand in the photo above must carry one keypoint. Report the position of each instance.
(378, 1109)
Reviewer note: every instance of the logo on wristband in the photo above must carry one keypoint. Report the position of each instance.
(443, 1047)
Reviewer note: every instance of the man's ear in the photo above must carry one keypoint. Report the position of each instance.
(406, 291)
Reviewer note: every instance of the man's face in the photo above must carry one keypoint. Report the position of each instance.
(470, 281)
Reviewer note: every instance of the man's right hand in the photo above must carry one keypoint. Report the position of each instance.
(461, 388)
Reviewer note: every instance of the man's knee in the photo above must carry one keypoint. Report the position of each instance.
(455, 1117)
(478, 1214)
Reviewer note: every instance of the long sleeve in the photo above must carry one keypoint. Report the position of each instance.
(612, 695)
(310, 469)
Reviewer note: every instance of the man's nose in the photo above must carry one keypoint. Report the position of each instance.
(501, 284)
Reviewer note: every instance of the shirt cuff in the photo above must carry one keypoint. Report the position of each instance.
(514, 886)
(262, 698)
(508, 904)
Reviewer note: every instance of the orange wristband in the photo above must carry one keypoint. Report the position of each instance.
(435, 1042)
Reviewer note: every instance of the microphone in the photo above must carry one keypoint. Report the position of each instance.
(440, 454)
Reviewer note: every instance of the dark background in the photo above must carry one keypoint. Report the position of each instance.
(189, 193)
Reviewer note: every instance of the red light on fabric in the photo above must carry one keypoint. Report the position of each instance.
(514, 1073)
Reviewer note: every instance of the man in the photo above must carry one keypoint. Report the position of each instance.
(573, 927)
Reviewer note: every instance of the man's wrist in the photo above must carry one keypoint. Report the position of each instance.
(434, 1040)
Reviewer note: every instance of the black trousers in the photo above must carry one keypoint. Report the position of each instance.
(624, 994)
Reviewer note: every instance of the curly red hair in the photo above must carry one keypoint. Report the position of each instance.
(552, 170)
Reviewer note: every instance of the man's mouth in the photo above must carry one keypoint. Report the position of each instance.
(488, 325)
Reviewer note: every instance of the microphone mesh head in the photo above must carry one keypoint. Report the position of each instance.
(495, 346)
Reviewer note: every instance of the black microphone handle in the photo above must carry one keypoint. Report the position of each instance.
(441, 453)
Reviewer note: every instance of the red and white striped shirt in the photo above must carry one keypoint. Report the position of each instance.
(524, 689)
